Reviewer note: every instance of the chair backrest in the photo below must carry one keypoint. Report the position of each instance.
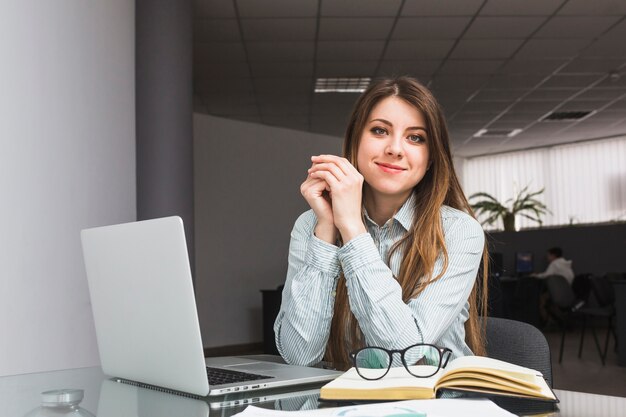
(582, 286)
(603, 290)
(561, 292)
(519, 343)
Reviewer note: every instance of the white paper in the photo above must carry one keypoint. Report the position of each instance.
(452, 407)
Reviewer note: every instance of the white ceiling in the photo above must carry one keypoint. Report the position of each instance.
(493, 64)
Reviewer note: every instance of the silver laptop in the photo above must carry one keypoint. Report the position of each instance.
(146, 319)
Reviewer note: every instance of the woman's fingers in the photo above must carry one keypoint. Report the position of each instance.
(346, 167)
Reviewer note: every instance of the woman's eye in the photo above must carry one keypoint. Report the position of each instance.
(416, 139)
(378, 131)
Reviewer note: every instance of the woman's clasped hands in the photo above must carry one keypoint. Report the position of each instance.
(333, 188)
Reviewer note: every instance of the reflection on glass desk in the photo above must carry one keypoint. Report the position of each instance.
(105, 397)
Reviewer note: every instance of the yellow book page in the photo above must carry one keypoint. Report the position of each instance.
(494, 376)
(482, 364)
(473, 384)
(397, 384)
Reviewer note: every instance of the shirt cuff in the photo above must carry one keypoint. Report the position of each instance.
(323, 256)
(358, 252)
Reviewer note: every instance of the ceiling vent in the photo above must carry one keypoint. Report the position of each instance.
(567, 116)
(497, 133)
(342, 85)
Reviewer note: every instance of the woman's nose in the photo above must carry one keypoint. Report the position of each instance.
(394, 146)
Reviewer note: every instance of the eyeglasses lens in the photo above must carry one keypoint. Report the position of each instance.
(372, 363)
(428, 357)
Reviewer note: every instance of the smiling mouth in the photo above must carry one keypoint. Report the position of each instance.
(390, 168)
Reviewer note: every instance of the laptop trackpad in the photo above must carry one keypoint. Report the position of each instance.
(255, 367)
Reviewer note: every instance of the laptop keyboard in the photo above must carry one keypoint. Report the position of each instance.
(218, 376)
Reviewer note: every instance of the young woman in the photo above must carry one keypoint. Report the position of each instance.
(389, 252)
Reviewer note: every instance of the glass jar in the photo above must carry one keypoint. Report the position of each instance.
(60, 403)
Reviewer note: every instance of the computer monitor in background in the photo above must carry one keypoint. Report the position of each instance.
(523, 263)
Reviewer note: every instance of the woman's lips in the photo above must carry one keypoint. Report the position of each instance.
(392, 169)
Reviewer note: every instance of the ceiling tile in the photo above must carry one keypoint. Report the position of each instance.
(292, 85)
(349, 50)
(282, 69)
(215, 85)
(580, 105)
(593, 65)
(221, 70)
(473, 116)
(532, 107)
(280, 51)
(354, 29)
(458, 66)
(576, 27)
(369, 8)
(527, 82)
(277, 8)
(503, 27)
(573, 81)
(419, 68)
(426, 49)
(532, 66)
(345, 68)
(520, 8)
(458, 82)
(605, 48)
(617, 105)
(485, 106)
(298, 29)
(206, 30)
(440, 8)
(213, 9)
(604, 94)
(208, 52)
(230, 97)
(485, 48)
(595, 7)
(488, 94)
(551, 94)
(551, 48)
(416, 28)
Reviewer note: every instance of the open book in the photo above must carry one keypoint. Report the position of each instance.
(468, 373)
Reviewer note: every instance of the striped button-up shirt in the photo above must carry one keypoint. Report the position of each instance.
(437, 315)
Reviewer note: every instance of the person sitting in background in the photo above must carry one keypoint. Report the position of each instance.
(558, 266)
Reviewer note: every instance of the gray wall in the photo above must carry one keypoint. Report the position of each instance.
(247, 197)
(594, 249)
(67, 161)
(164, 112)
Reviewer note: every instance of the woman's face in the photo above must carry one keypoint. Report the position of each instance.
(393, 151)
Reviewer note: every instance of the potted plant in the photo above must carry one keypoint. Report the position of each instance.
(524, 204)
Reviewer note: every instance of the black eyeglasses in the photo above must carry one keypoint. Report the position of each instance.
(373, 363)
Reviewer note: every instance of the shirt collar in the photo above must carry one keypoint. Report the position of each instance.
(404, 216)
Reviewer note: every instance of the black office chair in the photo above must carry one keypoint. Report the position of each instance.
(604, 294)
(562, 296)
(518, 343)
(524, 345)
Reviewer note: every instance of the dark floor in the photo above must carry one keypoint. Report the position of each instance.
(587, 373)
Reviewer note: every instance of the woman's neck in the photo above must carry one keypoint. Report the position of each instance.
(381, 208)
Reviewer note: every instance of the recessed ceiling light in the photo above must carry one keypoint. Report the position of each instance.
(567, 116)
(497, 133)
(342, 85)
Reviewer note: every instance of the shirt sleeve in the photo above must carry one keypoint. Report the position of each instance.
(376, 297)
(549, 271)
(303, 322)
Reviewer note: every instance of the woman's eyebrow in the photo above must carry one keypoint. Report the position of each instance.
(388, 123)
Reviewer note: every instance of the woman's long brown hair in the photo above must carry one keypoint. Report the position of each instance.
(424, 242)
